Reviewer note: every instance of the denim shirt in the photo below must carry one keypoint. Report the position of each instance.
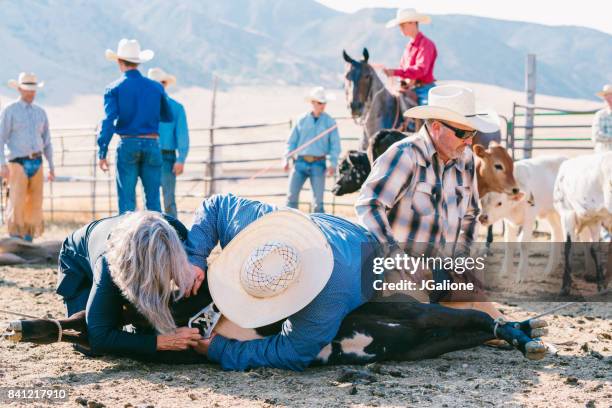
(218, 220)
(175, 135)
(133, 106)
(82, 263)
(307, 128)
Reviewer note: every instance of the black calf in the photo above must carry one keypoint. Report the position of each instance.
(355, 167)
(399, 329)
(382, 140)
(352, 172)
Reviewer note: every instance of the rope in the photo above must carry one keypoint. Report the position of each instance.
(500, 321)
(57, 323)
(554, 309)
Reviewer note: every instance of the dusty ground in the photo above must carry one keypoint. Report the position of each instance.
(579, 375)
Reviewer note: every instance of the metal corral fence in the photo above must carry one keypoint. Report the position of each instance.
(548, 129)
(221, 159)
(224, 159)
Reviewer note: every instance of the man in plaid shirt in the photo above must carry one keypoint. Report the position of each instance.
(602, 122)
(421, 195)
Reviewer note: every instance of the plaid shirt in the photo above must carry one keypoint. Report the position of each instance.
(602, 130)
(411, 198)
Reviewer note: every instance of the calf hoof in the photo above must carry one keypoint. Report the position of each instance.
(37, 331)
(534, 328)
(535, 350)
(12, 332)
(512, 333)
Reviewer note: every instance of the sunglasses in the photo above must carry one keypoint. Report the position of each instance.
(460, 133)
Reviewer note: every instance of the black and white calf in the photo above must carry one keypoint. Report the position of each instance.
(399, 329)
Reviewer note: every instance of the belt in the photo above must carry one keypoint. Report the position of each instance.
(145, 136)
(311, 159)
(168, 151)
(32, 156)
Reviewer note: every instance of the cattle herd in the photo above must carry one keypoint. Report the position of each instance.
(573, 196)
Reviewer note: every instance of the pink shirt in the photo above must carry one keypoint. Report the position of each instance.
(418, 60)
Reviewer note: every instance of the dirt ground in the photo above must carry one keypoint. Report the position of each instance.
(579, 374)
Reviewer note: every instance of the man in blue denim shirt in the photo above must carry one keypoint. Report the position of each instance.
(134, 106)
(220, 218)
(173, 138)
(310, 161)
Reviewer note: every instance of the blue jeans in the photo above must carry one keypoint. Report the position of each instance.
(138, 158)
(168, 182)
(303, 170)
(422, 93)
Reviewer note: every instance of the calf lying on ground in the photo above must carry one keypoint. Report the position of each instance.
(14, 251)
(583, 198)
(535, 178)
(400, 329)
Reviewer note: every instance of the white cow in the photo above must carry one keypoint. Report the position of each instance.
(583, 198)
(536, 179)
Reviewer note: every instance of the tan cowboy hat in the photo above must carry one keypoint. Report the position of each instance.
(319, 94)
(455, 104)
(129, 50)
(26, 81)
(159, 75)
(606, 90)
(405, 15)
(272, 269)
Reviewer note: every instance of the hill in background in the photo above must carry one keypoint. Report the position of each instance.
(282, 42)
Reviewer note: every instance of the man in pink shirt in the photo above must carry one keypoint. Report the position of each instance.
(417, 63)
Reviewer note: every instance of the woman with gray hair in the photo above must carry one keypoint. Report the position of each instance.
(132, 261)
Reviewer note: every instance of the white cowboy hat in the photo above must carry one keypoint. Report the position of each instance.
(129, 50)
(272, 269)
(606, 90)
(405, 15)
(159, 75)
(455, 104)
(319, 94)
(26, 81)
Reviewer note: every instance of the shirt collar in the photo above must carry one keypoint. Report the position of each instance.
(430, 150)
(133, 73)
(417, 39)
(24, 103)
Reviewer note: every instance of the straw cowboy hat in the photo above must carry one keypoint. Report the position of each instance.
(607, 90)
(129, 50)
(159, 75)
(405, 15)
(273, 268)
(455, 104)
(318, 94)
(26, 81)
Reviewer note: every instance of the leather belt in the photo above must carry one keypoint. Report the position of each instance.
(168, 151)
(32, 156)
(311, 159)
(145, 136)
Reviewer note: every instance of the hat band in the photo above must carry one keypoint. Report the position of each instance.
(28, 83)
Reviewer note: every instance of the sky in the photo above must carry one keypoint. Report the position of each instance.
(587, 13)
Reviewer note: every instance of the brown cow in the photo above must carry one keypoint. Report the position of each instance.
(494, 170)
